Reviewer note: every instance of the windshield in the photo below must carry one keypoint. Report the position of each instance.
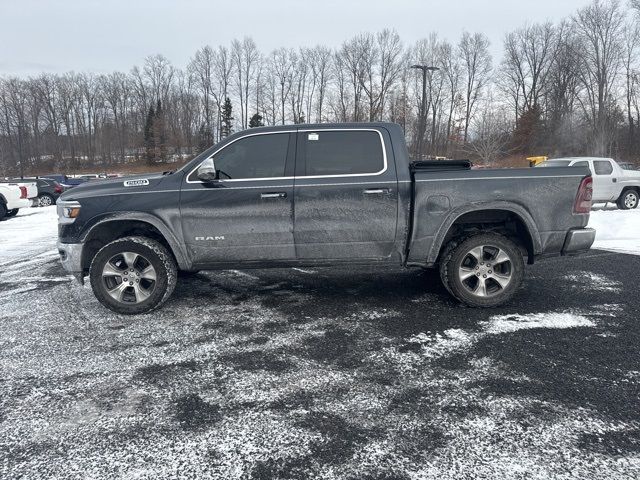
(555, 163)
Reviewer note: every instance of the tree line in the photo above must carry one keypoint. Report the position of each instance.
(566, 88)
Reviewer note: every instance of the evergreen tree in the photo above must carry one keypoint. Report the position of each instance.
(227, 119)
(256, 121)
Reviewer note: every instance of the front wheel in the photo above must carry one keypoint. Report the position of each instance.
(628, 200)
(133, 275)
(484, 270)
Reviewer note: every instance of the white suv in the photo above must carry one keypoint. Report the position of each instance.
(611, 183)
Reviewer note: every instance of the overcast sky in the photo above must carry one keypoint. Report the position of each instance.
(106, 35)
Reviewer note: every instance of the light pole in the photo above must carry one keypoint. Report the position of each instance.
(423, 106)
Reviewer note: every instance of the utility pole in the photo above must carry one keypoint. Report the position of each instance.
(423, 107)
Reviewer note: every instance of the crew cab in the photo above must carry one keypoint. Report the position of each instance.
(611, 182)
(320, 195)
(16, 195)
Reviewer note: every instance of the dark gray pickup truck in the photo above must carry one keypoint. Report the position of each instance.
(321, 195)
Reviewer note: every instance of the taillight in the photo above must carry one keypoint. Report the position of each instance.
(57, 189)
(585, 194)
(23, 192)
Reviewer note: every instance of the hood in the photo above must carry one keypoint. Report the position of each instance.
(110, 186)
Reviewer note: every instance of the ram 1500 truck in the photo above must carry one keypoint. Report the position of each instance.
(321, 195)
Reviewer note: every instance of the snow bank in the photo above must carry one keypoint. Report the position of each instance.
(617, 230)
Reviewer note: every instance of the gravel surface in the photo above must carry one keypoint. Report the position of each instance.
(326, 373)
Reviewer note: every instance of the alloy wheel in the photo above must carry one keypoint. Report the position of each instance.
(129, 278)
(485, 271)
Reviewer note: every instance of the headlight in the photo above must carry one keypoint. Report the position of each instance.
(68, 212)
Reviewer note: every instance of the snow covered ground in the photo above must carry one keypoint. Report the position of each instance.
(25, 235)
(617, 230)
(319, 373)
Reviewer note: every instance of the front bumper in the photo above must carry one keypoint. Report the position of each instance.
(71, 258)
(578, 241)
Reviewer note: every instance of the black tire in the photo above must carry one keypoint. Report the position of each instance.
(12, 213)
(628, 200)
(152, 253)
(3, 211)
(46, 200)
(489, 290)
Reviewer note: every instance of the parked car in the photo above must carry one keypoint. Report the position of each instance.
(323, 195)
(14, 196)
(64, 180)
(48, 190)
(611, 183)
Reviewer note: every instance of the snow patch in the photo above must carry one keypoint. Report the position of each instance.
(513, 323)
(593, 281)
(303, 270)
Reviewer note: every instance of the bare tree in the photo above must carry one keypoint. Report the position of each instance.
(599, 27)
(320, 58)
(381, 61)
(282, 64)
(529, 54)
(473, 50)
(245, 57)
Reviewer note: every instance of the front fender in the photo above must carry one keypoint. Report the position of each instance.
(176, 246)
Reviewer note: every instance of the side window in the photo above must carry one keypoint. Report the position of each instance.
(342, 152)
(602, 167)
(256, 156)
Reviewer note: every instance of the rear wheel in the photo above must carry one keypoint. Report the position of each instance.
(484, 270)
(133, 275)
(12, 213)
(628, 200)
(3, 211)
(46, 200)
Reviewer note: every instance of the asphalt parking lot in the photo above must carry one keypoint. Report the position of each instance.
(306, 373)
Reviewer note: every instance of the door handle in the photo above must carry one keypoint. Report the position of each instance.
(376, 191)
(274, 195)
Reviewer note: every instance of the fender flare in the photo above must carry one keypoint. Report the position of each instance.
(518, 210)
(176, 247)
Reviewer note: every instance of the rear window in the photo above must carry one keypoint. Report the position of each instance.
(581, 164)
(342, 153)
(555, 163)
(602, 167)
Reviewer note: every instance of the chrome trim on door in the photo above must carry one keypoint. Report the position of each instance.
(384, 157)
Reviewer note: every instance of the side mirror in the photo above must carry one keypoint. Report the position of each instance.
(207, 171)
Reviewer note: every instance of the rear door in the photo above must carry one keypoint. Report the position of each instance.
(605, 186)
(247, 215)
(346, 195)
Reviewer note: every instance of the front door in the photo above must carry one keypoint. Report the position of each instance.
(346, 195)
(246, 215)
